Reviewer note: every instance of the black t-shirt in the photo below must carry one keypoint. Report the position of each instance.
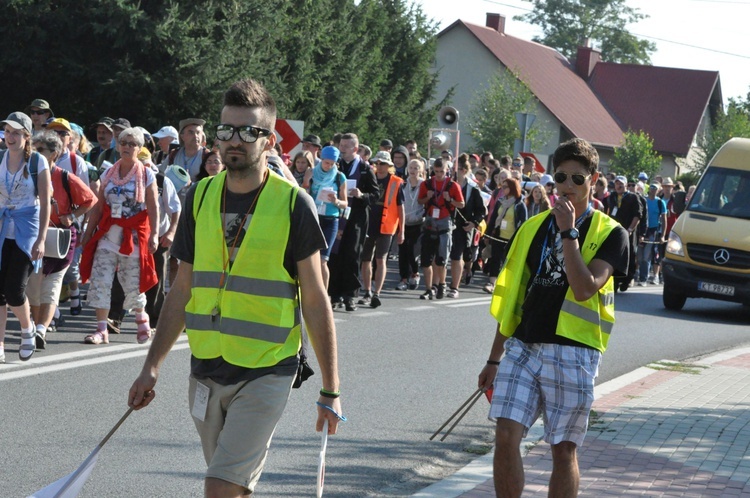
(305, 238)
(376, 214)
(545, 291)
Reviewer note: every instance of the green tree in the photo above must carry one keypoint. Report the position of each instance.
(735, 122)
(492, 121)
(339, 65)
(567, 24)
(636, 154)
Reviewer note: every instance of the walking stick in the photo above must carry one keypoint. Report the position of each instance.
(472, 399)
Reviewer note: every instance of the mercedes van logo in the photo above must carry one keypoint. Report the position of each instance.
(721, 256)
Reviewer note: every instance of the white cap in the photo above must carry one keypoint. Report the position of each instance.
(167, 131)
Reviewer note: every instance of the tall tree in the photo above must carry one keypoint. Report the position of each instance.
(339, 65)
(636, 154)
(567, 24)
(735, 122)
(492, 121)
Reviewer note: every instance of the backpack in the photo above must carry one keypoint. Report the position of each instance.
(429, 183)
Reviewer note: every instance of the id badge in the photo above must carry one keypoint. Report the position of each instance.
(614, 211)
(503, 224)
(436, 213)
(116, 210)
(200, 402)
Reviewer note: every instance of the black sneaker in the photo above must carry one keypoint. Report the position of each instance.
(349, 304)
(365, 300)
(375, 301)
(428, 295)
(41, 342)
(440, 294)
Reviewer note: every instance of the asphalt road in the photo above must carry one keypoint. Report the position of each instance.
(405, 368)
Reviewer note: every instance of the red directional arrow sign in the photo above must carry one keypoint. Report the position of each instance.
(289, 134)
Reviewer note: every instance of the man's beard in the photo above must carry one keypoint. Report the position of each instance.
(241, 164)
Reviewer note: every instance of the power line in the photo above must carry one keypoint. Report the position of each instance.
(654, 37)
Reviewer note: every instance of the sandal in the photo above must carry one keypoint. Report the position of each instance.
(488, 288)
(28, 345)
(144, 331)
(97, 337)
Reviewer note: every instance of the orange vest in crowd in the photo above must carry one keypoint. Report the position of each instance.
(389, 220)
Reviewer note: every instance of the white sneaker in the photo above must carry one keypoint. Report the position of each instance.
(452, 293)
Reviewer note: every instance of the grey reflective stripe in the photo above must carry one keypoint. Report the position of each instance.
(240, 328)
(258, 287)
(246, 285)
(209, 279)
(586, 314)
(391, 191)
(607, 299)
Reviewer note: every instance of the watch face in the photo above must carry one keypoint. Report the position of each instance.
(573, 233)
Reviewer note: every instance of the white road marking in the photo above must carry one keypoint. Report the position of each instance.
(18, 370)
(464, 304)
(373, 313)
(418, 308)
(448, 301)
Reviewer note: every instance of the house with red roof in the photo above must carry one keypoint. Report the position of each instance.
(586, 98)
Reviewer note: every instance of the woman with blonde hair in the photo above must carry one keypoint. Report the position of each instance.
(537, 201)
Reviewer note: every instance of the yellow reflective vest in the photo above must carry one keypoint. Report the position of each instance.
(253, 319)
(588, 322)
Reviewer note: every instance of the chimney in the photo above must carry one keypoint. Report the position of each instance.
(496, 22)
(586, 59)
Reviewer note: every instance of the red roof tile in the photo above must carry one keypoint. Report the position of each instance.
(667, 103)
(553, 80)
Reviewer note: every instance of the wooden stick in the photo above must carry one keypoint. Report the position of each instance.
(462, 416)
(476, 394)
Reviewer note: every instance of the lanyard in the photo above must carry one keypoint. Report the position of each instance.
(10, 182)
(227, 255)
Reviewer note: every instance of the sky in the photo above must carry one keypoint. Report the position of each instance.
(709, 35)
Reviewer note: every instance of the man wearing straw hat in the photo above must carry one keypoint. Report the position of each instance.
(554, 303)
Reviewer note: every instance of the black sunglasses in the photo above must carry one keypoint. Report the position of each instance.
(39, 112)
(578, 179)
(248, 134)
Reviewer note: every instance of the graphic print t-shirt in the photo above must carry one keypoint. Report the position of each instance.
(548, 282)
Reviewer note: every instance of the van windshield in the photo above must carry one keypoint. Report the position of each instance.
(723, 191)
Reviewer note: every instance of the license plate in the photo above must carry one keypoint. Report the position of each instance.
(725, 290)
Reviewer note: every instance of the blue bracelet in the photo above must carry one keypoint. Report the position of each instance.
(326, 407)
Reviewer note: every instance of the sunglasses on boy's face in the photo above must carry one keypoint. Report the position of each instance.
(38, 112)
(248, 134)
(578, 179)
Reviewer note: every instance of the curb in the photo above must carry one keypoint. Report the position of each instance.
(479, 470)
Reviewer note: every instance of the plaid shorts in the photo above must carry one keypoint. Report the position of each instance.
(551, 380)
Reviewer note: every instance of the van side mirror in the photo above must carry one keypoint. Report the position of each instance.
(678, 201)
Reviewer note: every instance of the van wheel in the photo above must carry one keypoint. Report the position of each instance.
(673, 300)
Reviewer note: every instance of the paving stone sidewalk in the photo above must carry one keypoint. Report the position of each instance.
(680, 430)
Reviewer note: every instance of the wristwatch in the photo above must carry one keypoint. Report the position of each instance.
(569, 234)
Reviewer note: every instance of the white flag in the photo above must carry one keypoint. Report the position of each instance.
(72, 484)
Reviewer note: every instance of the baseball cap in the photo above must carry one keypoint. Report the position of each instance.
(59, 124)
(121, 123)
(386, 143)
(191, 121)
(546, 180)
(654, 186)
(621, 179)
(642, 176)
(167, 131)
(18, 121)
